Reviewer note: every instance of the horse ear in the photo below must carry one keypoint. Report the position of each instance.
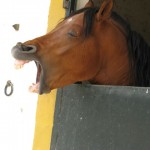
(105, 10)
(89, 4)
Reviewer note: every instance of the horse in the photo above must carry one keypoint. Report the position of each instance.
(93, 44)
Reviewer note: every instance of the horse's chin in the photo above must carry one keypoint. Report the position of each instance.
(40, 86)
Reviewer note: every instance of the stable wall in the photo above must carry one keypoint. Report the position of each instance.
(46, 102)
(137, 12)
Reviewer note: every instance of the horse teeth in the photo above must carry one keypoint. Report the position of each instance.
(34, 88)
(20, 63)
(18, 66)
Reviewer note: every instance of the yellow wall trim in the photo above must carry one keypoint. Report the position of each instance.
(46, 103)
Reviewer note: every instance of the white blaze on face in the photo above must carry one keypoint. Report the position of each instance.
(69, 20)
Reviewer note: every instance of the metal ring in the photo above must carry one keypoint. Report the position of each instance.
(8, 84)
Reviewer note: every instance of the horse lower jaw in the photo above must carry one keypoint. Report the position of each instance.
(34, 88)
(39, 87)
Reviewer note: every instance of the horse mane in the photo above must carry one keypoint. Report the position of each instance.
(139, 54)
(138, 49)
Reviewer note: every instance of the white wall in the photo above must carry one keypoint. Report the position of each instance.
(17, 112)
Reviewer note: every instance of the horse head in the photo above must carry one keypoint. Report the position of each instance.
(81, 47)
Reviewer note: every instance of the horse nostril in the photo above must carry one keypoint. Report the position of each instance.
(26, 48)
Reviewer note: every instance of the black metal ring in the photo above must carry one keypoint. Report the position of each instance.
(8, 84)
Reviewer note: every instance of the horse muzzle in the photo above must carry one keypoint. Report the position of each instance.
(24, 52)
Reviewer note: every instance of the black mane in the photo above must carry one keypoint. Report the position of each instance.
(139, 50)
(139, 54)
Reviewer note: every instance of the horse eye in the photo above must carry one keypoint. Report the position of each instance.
(72, 34)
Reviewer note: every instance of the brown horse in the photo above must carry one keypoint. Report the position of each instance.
(93, 44)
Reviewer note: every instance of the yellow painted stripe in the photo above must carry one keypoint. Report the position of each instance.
(46, 103)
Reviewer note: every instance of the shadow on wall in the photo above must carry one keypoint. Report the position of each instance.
(137, 13)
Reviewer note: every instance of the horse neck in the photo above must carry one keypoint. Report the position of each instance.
(113, 54)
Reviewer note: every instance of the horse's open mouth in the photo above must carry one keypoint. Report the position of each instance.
(24, 54)
(35, 87)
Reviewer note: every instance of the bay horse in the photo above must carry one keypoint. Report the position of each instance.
(93, 44)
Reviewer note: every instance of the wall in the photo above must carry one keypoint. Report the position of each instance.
(136, 12)
(17, 112)
(46, 103)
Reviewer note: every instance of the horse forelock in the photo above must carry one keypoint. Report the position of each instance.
(89, 13)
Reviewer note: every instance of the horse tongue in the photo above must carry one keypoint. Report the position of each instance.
(34, 88)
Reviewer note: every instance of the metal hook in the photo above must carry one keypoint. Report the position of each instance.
(8, 84)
